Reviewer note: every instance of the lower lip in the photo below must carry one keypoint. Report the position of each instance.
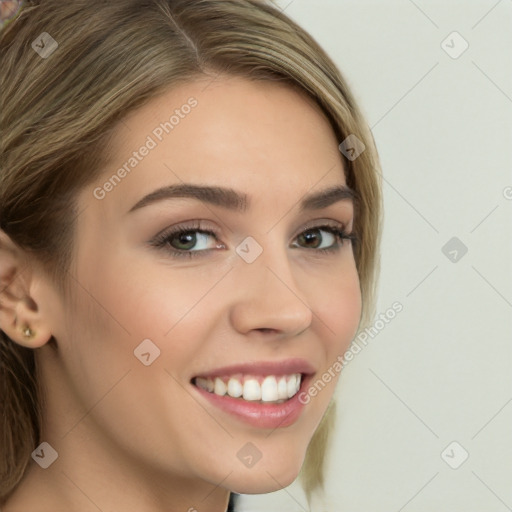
(260, 415)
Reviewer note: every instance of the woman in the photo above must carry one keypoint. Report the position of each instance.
(189, 214)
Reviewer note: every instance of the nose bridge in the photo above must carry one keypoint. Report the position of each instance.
(265, 261)
(268, 296)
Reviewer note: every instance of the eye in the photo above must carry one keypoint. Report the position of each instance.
(336, 234)
(192, 241)
(183, 240)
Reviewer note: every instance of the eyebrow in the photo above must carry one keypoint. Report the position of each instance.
(236, 201)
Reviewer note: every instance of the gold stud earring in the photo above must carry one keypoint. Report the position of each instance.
(28, 332)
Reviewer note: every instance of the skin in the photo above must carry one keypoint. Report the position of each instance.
(139, 438)
(8, 8)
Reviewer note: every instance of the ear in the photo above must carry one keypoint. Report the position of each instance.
(20, 315)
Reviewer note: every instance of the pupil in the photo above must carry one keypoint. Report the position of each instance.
(310, 237)
(186, 238)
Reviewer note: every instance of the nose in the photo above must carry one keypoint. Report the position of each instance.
(268, 297)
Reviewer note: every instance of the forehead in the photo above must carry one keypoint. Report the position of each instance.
(249, 135)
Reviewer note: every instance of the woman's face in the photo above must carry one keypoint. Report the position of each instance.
(157, 314)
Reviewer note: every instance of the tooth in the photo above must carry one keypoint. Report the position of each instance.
(282, 389)
(269, 389)
(202, 383)
(252, 390)
(272, 389)
(291, 385)
(220, 387)
(235, 388)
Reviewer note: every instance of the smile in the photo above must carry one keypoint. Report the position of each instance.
(263, 395)
(264, 389)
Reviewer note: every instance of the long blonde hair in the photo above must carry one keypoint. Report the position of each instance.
(58, 112)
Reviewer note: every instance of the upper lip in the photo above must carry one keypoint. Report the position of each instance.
(284, 367)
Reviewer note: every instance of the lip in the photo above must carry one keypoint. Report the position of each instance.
(263, 368)
(263, 416)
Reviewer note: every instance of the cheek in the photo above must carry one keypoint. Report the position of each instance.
(339, 309)
(121, 308)
(174, 309)
(147, 298)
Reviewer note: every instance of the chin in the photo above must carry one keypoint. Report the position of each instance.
(268, 478)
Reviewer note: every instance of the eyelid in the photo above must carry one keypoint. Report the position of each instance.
(195, 225)
(318, 223)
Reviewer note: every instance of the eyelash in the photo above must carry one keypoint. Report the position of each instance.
(162, 240)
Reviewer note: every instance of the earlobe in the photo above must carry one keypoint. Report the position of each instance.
(31, 338)
(20, 317)
(29, 329)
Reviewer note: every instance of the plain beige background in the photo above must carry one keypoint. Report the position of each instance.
(434, 386)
